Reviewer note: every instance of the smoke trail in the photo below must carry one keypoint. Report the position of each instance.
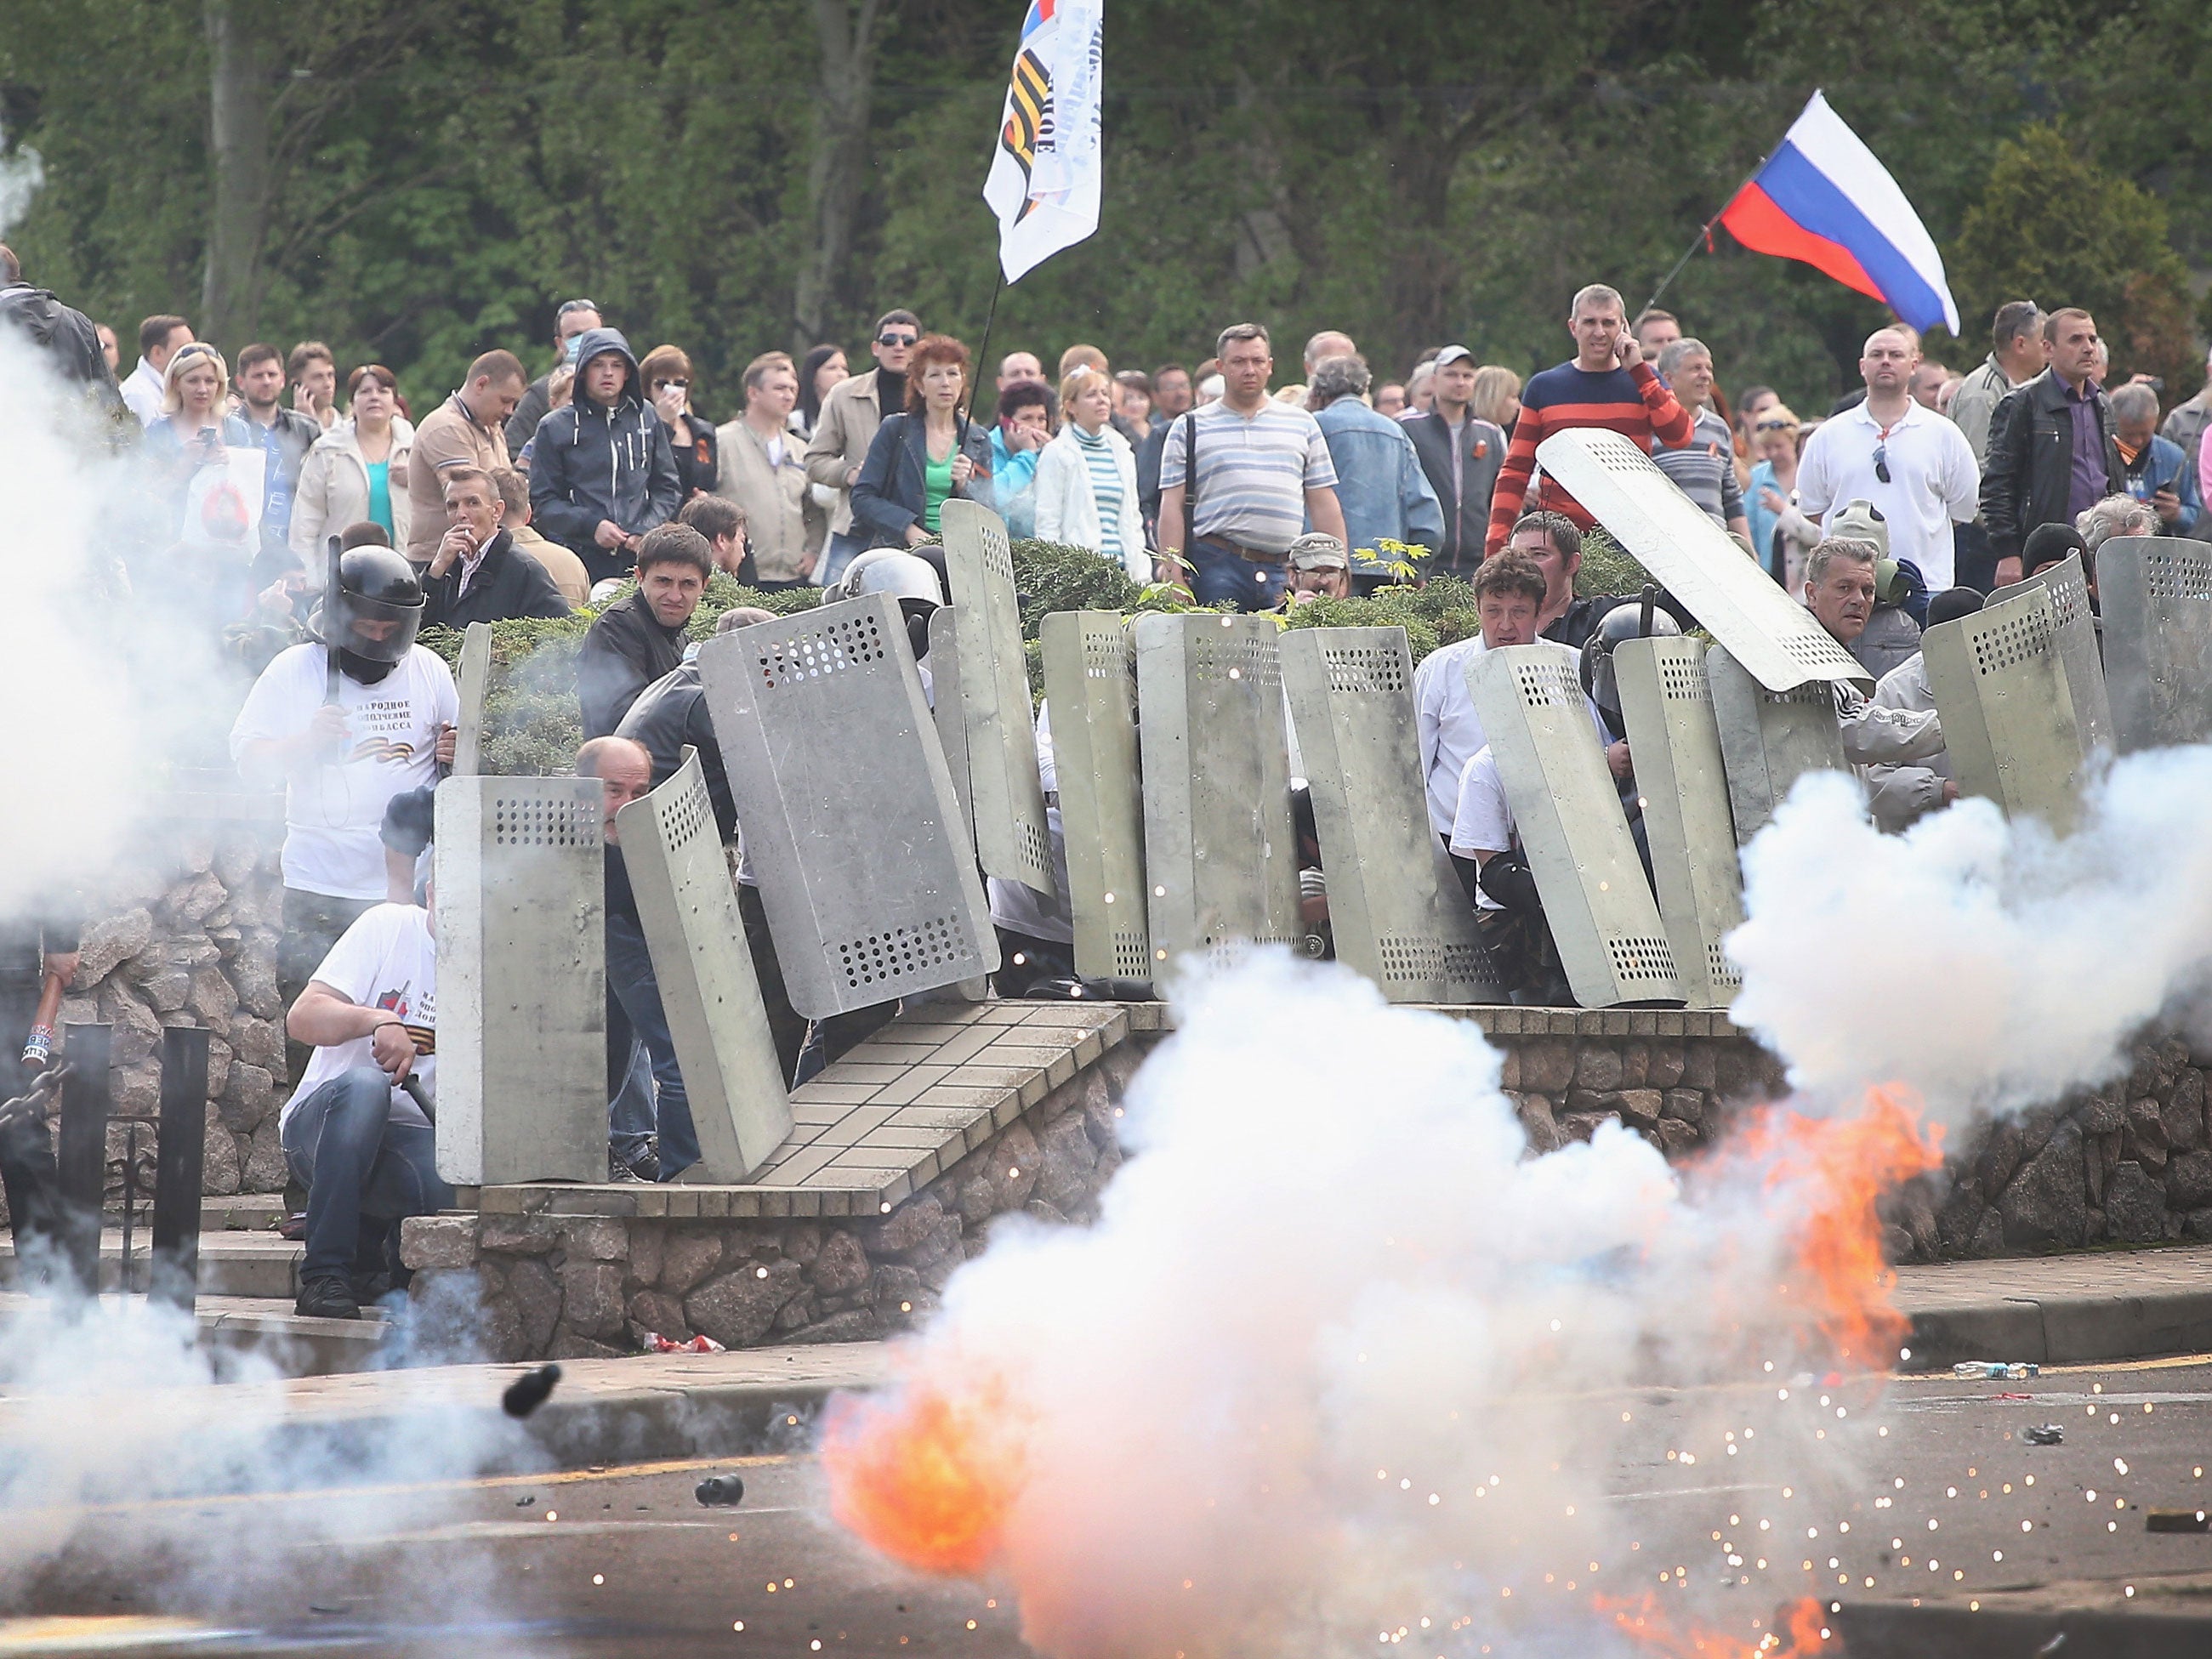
(22, 172)
(1983, 962)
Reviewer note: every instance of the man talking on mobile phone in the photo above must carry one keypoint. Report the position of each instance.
(1607, 383)
(477, 573)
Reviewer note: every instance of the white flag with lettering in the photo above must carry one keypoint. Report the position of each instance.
(1045, 169)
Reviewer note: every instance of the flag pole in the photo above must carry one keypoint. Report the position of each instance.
(983, 355)
(1704, 238)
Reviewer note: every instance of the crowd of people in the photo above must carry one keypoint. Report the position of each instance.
(352, 525)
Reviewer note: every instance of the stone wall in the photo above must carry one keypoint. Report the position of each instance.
(2128, 1163)
(578, 1286)
(185, 934)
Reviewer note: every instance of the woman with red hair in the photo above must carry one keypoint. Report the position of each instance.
(922, 457)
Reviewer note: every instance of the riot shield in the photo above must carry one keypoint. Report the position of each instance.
(1091, 687)
(1769, 739)
(2078, 648)
(2001, 688)
(1681, 782)
(2156, 595)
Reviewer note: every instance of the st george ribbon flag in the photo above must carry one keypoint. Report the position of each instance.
(1044, 172)
(1824, 199)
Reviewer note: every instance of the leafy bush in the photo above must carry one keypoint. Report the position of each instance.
(1608, 566)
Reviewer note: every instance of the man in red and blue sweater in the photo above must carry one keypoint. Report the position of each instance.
(1608, 384)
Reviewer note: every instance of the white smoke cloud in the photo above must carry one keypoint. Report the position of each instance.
(1327, 1283)
(22, 173)
(1984, 963)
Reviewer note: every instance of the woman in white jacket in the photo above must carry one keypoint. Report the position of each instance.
(335, 480)
(1086, 478)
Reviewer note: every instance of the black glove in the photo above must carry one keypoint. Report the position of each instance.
(1508, 879)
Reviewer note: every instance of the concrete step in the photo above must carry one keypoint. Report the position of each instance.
(232, 1264)
(234, 1327)
(242, 1213)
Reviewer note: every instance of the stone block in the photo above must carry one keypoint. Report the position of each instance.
(110, 941)
(536, 1296)
(2135, 1205)
(135, 1089)
(646, 1240)
(911, 1224)
(853, 1325)
(1535, 1112)
(657, 1312)
(592, 1297)
(166, 990)
(1509, 1068)
(2001, 1158)
(266, 1169)
(842, 1267)
(687, 1260)
(137, 1031)
(1598, 1068)
(570, 1344)
(219, 1056)
(520, 1235)
(1640, 1107)
(2183, 1111)
(220, 1167)
(438, 1241)
(1664, 1068)
(2188, 1181)
(1700, 1068)
(254, 973)
(1989, 1239)
(2147, 1123)
(1685, 1105)
(2046, 1203)
(249, 1097)
(1957, 1217)
(2197, 1224)
(1547, 1065)
(739, 1308)
(212, 997)
(895, 1289)
(802, 1242)
(1676, 1139)
(1635, 1065)
(1581, 1125)
(1064, 1175)
(595, 1238)
(195, 900)
(257, 1042)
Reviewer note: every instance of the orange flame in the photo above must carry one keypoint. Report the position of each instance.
(1800, 1632)
(925, 1478)
(1837, 1169)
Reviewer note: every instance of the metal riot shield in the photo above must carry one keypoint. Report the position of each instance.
(1683, 783)
(475, 684)
(1012, 837)
(2156, 594)
(1567, 811)
(1770, 738)
(947, 712)
(1774, 637)
(688, 907)
(2078, 649)
(850, 821)
(1091, 687)
(2001, 688)
(1220, 852)
(1395, 908)
(522, 982)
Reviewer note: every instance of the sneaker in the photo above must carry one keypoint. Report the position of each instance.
(328, 1297)
(643, 1165)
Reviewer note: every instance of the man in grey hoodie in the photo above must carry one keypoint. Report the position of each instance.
(602, 472)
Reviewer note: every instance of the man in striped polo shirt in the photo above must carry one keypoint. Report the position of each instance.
(1608, 384)
(1263, 471)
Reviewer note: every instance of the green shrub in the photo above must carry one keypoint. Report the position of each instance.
(1608, 566)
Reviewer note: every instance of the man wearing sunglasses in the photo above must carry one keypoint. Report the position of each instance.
(850, 415)
(1912, 463)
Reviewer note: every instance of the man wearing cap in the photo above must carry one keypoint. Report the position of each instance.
(1315, 567)
(1893, 630)
(1461, 452)
(1889, 746)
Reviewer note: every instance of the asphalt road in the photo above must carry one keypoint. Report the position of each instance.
(625, 1561)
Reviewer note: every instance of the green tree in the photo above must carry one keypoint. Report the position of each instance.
(2054, 226)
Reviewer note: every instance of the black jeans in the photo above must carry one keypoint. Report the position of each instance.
(27, 1149)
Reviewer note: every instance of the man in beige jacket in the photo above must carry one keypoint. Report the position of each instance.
(850, 415)
(463, 431)
(763, 472)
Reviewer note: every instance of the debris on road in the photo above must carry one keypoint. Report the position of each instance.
(530, 1390)
(1995, 1370)
(654, 1342)
(2049, 1435)
(2177, 1521)
(719, 1490)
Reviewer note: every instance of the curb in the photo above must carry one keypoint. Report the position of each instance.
(2062, 1330)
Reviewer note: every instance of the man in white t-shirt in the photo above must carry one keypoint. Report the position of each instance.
(389, 728)
(355, 1132)
(1509, 594)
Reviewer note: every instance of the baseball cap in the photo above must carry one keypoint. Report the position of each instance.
(1318, 550)
(1453, 354)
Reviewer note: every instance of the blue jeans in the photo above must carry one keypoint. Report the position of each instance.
(1220, 573)
(629, 974)
(838, 552)
(630, 1113)
(356, 1163)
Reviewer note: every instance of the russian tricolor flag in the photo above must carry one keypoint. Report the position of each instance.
(1823, 199)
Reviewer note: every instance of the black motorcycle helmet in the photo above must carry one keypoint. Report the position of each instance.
(1631, 619)
(379, 602)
